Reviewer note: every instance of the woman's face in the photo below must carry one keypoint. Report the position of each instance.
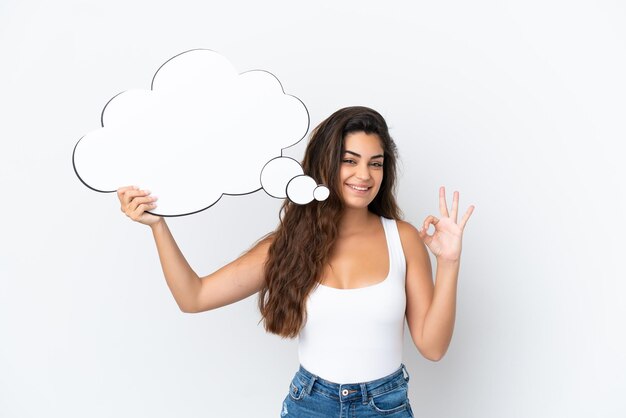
(361, 169)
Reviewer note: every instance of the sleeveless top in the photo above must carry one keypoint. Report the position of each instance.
(356, 335)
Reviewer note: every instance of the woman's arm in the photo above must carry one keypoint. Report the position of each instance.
(430, 309)
(233, 282)
(431, 312)
(439, 322)
(183, 282)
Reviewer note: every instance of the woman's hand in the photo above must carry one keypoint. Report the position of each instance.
(135, 202)
(445, 243)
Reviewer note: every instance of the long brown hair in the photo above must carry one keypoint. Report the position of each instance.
(306, 234)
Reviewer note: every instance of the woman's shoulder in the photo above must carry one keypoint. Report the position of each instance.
(409, 237)
(404, 227)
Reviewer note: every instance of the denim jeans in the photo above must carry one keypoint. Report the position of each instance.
(311, 397)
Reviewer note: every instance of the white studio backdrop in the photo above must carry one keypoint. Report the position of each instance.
(518, 105)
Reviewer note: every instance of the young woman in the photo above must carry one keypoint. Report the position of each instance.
(341, 274)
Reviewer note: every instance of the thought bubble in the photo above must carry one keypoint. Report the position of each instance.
(203, 130)
(283, 177)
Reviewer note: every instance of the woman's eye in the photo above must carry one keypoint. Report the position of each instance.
(377, 165)
(348, 161)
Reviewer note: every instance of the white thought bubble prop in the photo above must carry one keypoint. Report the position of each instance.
(203, 130)
(276, 179)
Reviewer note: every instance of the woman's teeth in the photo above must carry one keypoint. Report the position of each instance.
(358, 188)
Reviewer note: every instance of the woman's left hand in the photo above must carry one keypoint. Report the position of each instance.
(445, 243)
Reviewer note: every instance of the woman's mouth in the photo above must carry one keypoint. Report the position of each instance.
(359, 190)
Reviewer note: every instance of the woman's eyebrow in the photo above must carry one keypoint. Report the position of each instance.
(359, 155)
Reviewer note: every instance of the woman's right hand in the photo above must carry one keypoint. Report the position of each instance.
(135, 203)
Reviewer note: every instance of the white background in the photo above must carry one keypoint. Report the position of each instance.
(519, 105)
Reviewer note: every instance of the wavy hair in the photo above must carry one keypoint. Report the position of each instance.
(306, 234)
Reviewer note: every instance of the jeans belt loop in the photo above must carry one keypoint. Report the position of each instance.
(404, 370)
(364, 393)
(309, 387)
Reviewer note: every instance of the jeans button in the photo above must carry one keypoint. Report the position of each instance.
(344, 392)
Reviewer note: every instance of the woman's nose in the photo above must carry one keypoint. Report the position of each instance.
(363, 172)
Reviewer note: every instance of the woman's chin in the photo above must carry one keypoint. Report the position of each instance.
(356, 203)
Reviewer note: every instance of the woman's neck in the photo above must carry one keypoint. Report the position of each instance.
(354, 221)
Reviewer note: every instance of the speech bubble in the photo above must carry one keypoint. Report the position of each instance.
(202, 131)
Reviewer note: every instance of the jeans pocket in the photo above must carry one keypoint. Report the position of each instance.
(387, 403)
(297, 389)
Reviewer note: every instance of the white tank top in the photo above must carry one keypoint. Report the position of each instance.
(356, 335)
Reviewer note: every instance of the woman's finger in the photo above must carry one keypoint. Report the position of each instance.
(121, 191)
(466, 217)
(130, 195)
(443, 207)
(423, 233)
(430, 220)
(455, 206)
(136, 214)
(138, 201)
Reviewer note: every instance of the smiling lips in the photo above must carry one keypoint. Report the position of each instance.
(358, 188)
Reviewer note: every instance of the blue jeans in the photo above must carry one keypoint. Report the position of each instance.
(311, 397)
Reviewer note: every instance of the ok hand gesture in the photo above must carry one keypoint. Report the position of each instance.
(445, 243)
